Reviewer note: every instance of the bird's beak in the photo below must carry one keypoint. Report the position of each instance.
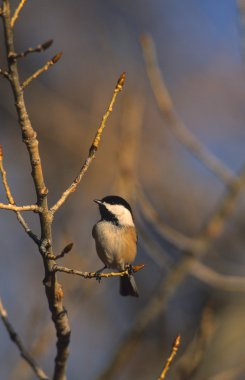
(98, 201)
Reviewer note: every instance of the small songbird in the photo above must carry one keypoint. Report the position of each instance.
(116, 239)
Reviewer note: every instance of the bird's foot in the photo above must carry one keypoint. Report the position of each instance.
(98, 272)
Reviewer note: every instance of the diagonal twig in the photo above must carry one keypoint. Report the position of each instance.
(93, 148)
(17, 12)
(50, 63)
(39, 48)
(16, 339)
(166, 107)
(170, 234)
(168, 363)
(12, 202)
(4, 73)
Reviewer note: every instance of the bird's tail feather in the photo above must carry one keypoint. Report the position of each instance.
(128, 286)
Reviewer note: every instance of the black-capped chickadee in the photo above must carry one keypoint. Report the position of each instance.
(116, 239)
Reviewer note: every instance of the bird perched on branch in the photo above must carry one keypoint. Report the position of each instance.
(116, 239)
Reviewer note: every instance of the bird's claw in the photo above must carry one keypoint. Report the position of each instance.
(98, 277)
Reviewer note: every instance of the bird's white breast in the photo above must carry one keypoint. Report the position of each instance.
(116, 246)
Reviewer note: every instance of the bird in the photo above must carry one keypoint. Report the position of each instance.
(116, 239)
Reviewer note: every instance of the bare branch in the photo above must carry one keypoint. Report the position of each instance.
(16, 339)
(166, 107)
(189, 363)
(53, 289)
(50, 63)
(97, 275)
(231, 373)
(39, 48)
(93, 148)
(175, 348)
(13, 207)
(173, 236)
(12, 202)
(216, 223)
(5, 74)
(66, 250)
(217, 280)
(17, 12)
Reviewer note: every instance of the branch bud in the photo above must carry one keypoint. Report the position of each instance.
(57, 57)
(121, 81)
(47, 44)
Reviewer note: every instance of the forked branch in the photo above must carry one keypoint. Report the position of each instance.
(12, 202)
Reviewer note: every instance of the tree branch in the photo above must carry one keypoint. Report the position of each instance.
(166, 108)
(217, 280)
(167, 365)
(50, 63)
(12, 202)
(93, 148)
(13, 207)
(39, 48)
(16, 339)
(97, 275)
(17, 12)
(170, 234)
(52, 287)
(4, 73)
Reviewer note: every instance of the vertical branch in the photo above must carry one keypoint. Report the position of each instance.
(52, 287)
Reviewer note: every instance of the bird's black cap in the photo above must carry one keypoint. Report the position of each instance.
(116, 200)
(112, 200)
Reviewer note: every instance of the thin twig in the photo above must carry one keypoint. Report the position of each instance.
(175, 348)
(64, 251)
(12, 202)
(16, 339)
(39, 48)
(166, 107)
(13, 207)
(93, 148)
(17, 12)
(50, 63)
(97, 275)
(4, 73)
(188, 364)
